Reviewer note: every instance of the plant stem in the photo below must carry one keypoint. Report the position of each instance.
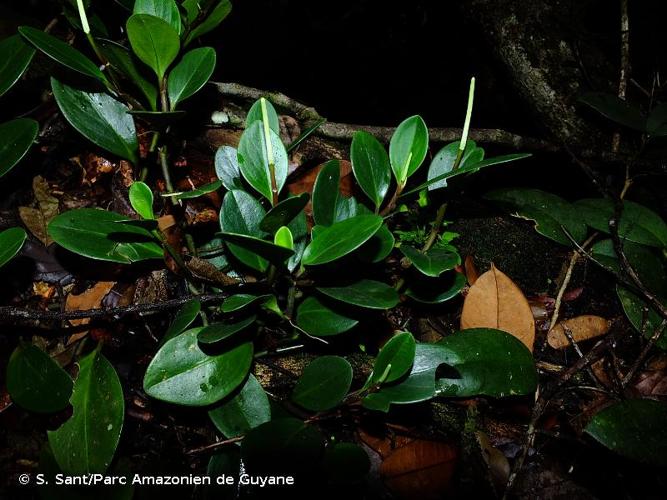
(164, 164)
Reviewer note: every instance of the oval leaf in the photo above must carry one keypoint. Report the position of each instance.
(241, 301)
(370, 164)
(408, 147)
(255, 115)
(250, 408)
(321, 321)
(581, 328)
(62, 52)
(181, 373)
(341, 238)
(216, 16)
(326, 193)
(634, 428)
(99, 118)
(190, 75)
(432, 263)
(15, 57)
(95, 233)
(262, 249)
(243, 214)
(227, 167)
(87, 442)
(16, 138)
(323, 384)
(283, 213)
(364, 293)
(494, 301)
(167, 10)
(219, 331)
(254, 160)
(444, 160)
(394, 359)
(154, 42)
(183, 318)
(11, 241)
(36, 382)
(141, 199)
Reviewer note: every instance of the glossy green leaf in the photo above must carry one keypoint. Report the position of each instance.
(16, 139)
(427, 292)
(167, 10)
(15, 57)
(248, 409)
(473, 167)
(254, 161)
(241, 301)
(271, 252)
(203, 190)
(340, 239)
(634, 428)
(86, 443)
(550, 213)
(323, 384)
(378, 247)
(364, 293)
(243, 214)
(444, 160)
(616, 109)
(347, 208)
(299, 229)
(154, 42)
(298, 446)
(326, 193)
(216, 16)
(370, 164)
(141, 199)
(346, 463)
(190, 74)
(432, 263)
(216, 332)
(182, 373)
(99, 118)
(474, 354)
(11, 241)
(183, 319)
(283, 213)
(227, 167)
(94, 233)
(62, 52)
(320, 320)
(394, 359)
(123, 61)
(646, 320)
(36, 382)
(283, 238)
(255, 115)
(638, 223)
(408, 147)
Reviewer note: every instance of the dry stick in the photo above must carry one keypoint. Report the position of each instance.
(644, 354)
(541, 404)
(214, 446)
(625, 66)
(10, 315)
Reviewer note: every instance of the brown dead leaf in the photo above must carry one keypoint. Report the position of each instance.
(582, 328)
(471, 270)
(421, 469)
(90, 299)
(499, 466)
(384, 445)
(494, 301)
(43, 289)
(36, 219)
(652, 382)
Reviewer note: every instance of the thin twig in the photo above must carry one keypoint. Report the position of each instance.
(214, 446)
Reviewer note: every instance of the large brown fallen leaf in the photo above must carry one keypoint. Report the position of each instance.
(90, 299)
(582, 328)
(37, 219)
(494, 301)
(420, 469)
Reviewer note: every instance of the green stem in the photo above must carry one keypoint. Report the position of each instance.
(164, 163)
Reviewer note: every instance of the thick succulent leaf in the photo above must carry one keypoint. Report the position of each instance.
(182, 373)
(340, 239)
(428, 292)
(190, 74)
(394, 359)
(255, 115)
(86, 443)
(444, 160)
(370, 164)
(248, 409)
(326, 193)
(216, 332)
(214, 18)
(15, 57)
(154, 42)
(167, 10)
(284, 212)
(320, 320)
(99, 118)
(364, 293)
(16, 139)
(141, 199)
(432, 263)
(323, 384)
(243, 214)
(408, 147)
(36, 382)
(11, 241)
(227, 167)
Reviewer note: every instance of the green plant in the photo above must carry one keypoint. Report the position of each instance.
(313, 282)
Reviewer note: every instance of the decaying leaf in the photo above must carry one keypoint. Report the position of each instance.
(499, 466)
(582, 328)
(420, 469)
(652, 382)
(90, 299)
(203, 269)
(37, 218)
(494, 301)
(471, 270)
